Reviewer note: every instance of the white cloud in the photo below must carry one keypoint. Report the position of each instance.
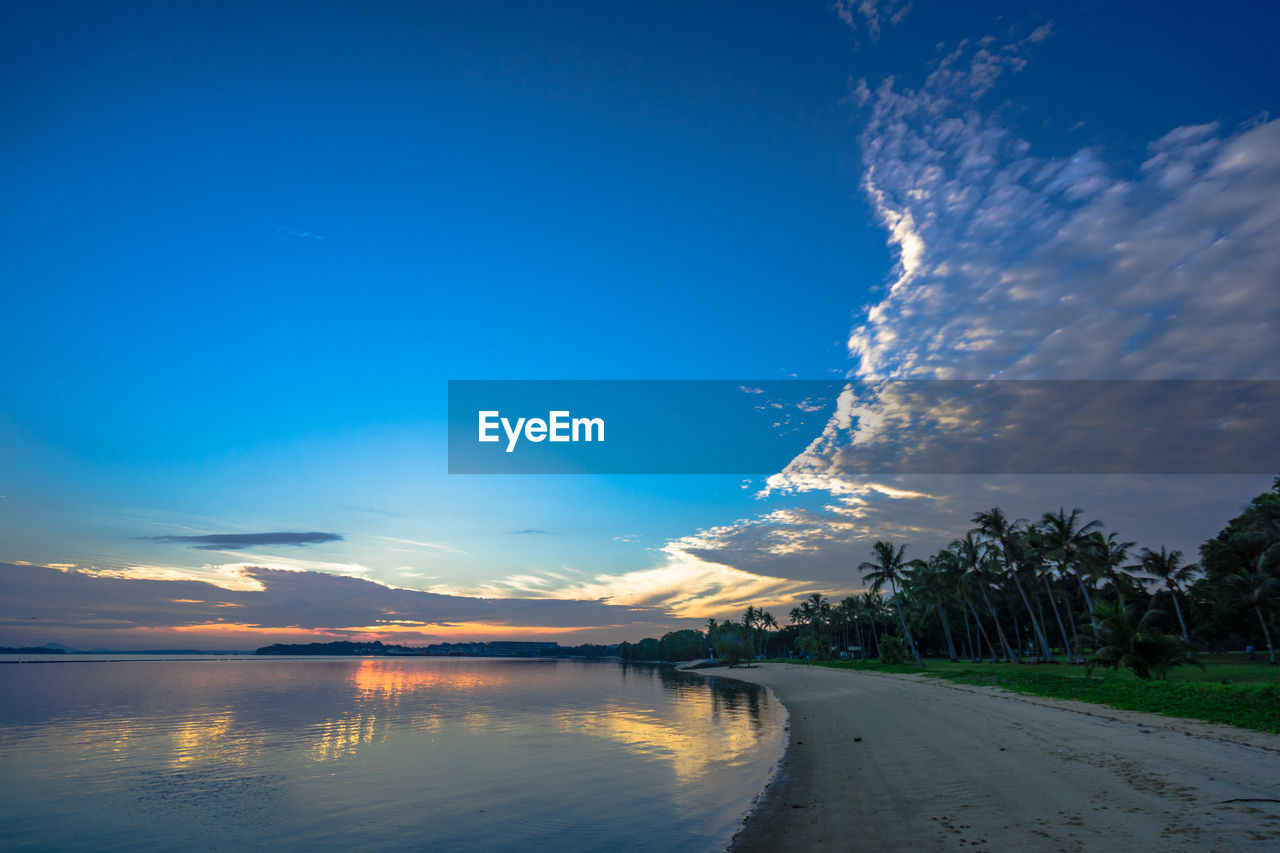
(1041, 32)
(689, 582)
(229, 577)
(1015, 265)
(871, 14)
(435, 546)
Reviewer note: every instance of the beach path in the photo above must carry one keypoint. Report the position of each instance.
(902, 762)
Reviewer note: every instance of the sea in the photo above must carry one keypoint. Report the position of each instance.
(239, 753)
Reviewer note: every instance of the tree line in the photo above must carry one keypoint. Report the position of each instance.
(1052, 590)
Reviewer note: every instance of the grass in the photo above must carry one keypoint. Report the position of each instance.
(1228, 690)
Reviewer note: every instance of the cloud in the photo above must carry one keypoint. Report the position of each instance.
(1011, 264)
(529, 532)
(123, 609)
(236, 541)
(1048, 427)
(871, 13)
(295, 234)
(1015, 265)
(690, 582)
(435, 546)
(1041, 32)
(222, 577)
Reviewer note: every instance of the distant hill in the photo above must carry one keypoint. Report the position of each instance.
(342, 647)
(165, 652)
(31, 650)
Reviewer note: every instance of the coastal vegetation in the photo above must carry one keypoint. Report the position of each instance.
(1226, 689)
(1145, 628)
(1056, 590)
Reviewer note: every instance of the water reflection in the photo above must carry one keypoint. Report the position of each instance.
(677, 734)
(333, 753)
(392, 680)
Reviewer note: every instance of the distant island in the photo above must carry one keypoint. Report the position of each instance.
(59, 649)
(504, 649)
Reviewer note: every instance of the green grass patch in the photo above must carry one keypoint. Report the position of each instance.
(1250, 706)
(1235, 693)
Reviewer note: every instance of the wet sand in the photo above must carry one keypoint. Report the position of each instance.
(888, 762)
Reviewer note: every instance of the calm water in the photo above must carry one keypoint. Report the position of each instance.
(371, 754)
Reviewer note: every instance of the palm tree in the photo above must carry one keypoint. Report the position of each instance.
(1167, 566)
(826, 620)
(1045, 571)
(1063, 537)
(1101, 557)
(929, 579)
(889, 567)
(858, 610)
(750, 619)
(799, 615)
(981, 568)
(767, 622)
(1136, 643)
(997, 527)
(874, 607)
(841, 619)
(813, 611)
(956, 590)
(1256, 586)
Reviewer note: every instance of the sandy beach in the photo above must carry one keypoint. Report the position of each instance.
(885, 762)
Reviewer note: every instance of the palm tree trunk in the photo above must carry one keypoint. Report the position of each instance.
(983, 631)
(906, 630)
(1004, 643)
(1266, 632)
(968, 635)
(1035, 623)
(1075, 636)
(1062, 630)
(1186, 638)
(946, 629)
(1088, 603)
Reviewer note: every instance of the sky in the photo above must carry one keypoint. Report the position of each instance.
(248, 245)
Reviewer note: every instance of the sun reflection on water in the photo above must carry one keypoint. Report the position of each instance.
(677, 734)
(293, 752)
(381, 688)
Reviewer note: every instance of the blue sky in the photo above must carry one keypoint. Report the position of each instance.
(248, 244)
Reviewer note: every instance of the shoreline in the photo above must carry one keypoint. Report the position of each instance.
(761, 802)
(881, 762)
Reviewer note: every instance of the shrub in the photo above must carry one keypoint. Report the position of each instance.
(734, 650)
(893, 650)
(1136, 644)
